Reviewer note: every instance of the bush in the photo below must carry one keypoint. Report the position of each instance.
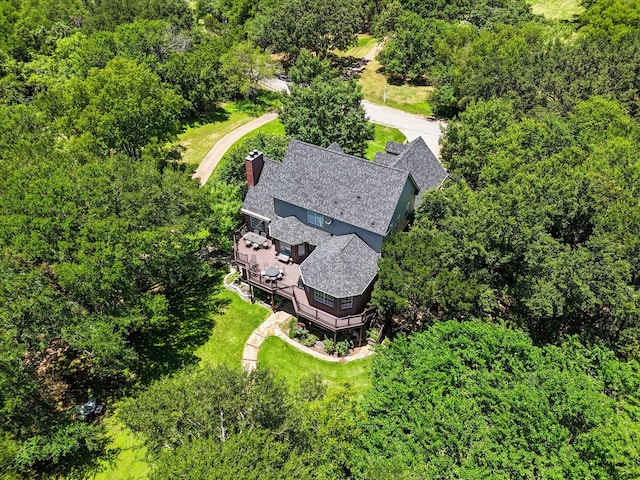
(310, 340)
(292, 325)
(329, 346)
(299, 331)
(342, 348)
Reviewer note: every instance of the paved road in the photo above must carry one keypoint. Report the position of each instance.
(204, 170)
(412, 126)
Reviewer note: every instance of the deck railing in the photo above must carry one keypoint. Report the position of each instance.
(285, 289)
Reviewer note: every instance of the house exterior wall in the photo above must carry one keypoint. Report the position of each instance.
(260, 227)
(403, 208)
(336, 227)
(359, 302)
(295, 256)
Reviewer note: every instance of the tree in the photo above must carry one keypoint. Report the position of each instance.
(308, 67)
(294, 25)
(535, 237)
(242, 69)
(122, 107)
(474, 400)
(327, 112)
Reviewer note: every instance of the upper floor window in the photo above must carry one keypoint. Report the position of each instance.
(315, 218)
(346, 303)
(323, 298)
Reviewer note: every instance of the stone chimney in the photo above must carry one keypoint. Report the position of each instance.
(253, 165)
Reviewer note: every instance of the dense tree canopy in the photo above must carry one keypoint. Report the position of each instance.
(471, 400)
(538, 225)
(319, 27)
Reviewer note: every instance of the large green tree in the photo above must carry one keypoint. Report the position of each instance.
(121, 107)
(327, 112)
(538, 226)
(319, 27)
(474, 400)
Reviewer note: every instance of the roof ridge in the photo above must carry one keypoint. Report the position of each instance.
(348, 155)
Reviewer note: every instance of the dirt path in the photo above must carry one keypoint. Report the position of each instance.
(208, 164)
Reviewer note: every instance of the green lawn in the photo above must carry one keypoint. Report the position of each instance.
(232, 328)
(199, 136)
(556, 9)
(382, 136)
(407, 97)
(292, 364)
(130, 461)
(365, 43)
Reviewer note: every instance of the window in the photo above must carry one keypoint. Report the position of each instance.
(301, 250)
(256, 224)
(323, 298)
(315, 218)
(346, 303)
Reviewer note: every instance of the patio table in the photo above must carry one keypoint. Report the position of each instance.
(272, 272)
(254, 238)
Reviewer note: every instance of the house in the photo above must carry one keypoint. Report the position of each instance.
(316, 222)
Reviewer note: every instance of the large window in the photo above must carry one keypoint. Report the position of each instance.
(323, 298)
(346, 303)
(315, 218)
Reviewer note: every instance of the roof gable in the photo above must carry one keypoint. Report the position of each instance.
(340, 186)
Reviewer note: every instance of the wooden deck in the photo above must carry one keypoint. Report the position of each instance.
(254, 261)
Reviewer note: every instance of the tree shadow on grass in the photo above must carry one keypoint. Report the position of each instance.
(167, 349)
(265, 101)
(219, 114)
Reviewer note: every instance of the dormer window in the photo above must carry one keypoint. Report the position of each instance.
(315, 218)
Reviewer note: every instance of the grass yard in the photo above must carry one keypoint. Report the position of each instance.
(233, 326)
(382, 136)
(201, 135)
(130, 461)
(292, 364)
(407, 97)
(365, 43)
(556, 9)
(198, 138)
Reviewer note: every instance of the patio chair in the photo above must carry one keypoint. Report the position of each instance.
(248, 243)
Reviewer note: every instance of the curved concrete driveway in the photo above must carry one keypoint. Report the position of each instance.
(206, 167)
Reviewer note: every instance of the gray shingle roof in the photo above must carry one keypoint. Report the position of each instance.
(334, 147)
(385, 158)
(340, 186)
(259, 198)
(294, 232)
(395, 148)
(343, 266)
(418, 159)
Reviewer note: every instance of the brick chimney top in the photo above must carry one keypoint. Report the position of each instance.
(253, 165)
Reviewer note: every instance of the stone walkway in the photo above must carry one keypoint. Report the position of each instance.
(271, 326)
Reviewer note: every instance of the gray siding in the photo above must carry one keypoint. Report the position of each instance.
(284, 209)
(404, 206)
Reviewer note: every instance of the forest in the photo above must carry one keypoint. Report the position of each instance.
(512, 298)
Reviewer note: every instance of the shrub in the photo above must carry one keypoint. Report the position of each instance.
(299, 331)
(329, 346)
(292, 325)
(310, 340)
(342, 348)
